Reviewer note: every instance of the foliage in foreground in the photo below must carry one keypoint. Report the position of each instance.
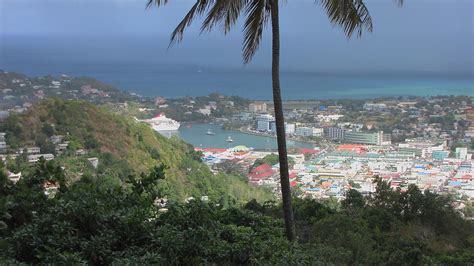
(88, 222)
(122, 146)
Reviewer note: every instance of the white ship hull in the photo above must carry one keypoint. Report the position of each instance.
(166, 127)
(162, 123)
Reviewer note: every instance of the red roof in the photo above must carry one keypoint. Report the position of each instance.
(261, 175)
(352, 147)
(262, 168)
(468, 177)
(261, 171)
(215, 150)
(292, 175)
(308, 151)
(293, 183)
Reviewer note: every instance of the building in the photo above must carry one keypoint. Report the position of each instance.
(31, 150)
(159, 100)
(259, 173)
(205, 111)
(318, 132)
(258, 107)
(273, 128)
(364, 137)
(461, 153)
(304, 131)
(439, 155)
(290, 128)
(263, 122)
(33, 158)
(334, 133)
(375, 106)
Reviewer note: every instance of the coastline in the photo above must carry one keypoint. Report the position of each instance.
(274, 136)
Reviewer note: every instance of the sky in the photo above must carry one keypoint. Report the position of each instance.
(435, 36)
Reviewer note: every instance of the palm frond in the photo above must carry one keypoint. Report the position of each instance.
(199, 8)
(257, 14)
(224, 12)
(351, 15)
(399, 2)
(156, 3)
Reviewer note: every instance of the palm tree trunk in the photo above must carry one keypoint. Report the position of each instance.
(280, 125)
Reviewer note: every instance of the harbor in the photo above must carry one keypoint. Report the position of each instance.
(213, 136)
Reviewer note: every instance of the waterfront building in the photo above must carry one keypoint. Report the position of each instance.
(273, 126)
(364, 137)
(304, 131)
(258, 107)
(334, 133)
(263, 122)
(290, 128)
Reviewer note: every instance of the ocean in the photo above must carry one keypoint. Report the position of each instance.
(148, 75)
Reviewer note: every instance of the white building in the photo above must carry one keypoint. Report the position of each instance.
(33, 158)
(375, 106)
(461, 153)
(318, 132)
(205, 111)
(290, 128)
(304, 131)
(263, 122)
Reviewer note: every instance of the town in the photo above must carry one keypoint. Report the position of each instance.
(426, 141)
(423, 141)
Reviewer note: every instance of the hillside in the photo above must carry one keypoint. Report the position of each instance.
(19, 91)
(122, 146)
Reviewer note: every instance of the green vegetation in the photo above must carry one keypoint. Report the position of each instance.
(96, 223)
(271, 159)
(123, 146)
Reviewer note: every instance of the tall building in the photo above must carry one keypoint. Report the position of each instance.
(364, 137)
(264, 121)
(258, 107)
(335, 133)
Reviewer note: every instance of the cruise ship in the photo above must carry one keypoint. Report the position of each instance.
(162, 123)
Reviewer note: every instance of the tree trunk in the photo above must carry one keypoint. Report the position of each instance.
(280, 125)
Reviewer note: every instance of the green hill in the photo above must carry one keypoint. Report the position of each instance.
(123, 147)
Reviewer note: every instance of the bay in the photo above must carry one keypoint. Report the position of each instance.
(195, 134)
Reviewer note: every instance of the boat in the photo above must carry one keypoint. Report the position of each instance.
(229, 139)
(162, 123)
(210, 133)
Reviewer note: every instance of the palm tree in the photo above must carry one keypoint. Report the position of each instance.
(351, 15)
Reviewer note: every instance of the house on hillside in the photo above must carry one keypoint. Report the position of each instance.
(33, 158)
(259, 174)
